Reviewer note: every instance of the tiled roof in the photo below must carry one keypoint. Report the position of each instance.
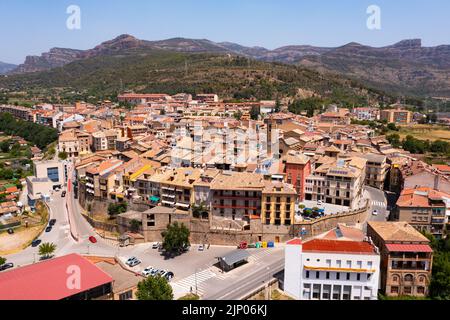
(397, 232)
(394, 247)
(351, 247)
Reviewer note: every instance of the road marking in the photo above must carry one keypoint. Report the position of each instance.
(260, 255)
(189, 282)
(380, 204)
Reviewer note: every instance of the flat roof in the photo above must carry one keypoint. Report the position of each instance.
(235, 257)
(47, 280)
(338, 246)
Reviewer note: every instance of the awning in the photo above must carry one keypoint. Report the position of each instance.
(154, 199)
(183, 205)
(168, 202)
(235, 257)
(394, 247)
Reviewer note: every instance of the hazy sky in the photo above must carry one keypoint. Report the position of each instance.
(30, 27)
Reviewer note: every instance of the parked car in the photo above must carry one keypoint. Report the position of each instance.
(186, 248)
(63, 194)
(6, 266)
(156, 245)
(154, 272)
(48, 229)
(167, 274)
(52, 222)
(147, 271)
(132, 262)
(375, 212)
(201, 248)
(35, 243)
(319, 202)
(10, 231)
(92, 239)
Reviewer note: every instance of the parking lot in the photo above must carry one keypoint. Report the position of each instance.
(182, 266)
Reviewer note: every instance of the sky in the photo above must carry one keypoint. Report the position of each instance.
(30, 27)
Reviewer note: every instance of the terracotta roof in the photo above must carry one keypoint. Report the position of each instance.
(394, 247)
(397, 232)
(420, 197)
(351, 247)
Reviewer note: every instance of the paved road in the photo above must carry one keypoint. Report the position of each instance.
(378, 202)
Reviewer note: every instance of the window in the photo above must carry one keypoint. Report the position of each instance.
(369, 264)
(317, 274)
(407, 290)
(348, 275)
(409, 278)
(394, 290)
(307, 275)
(420, 290)
(338, 275)
(358, 277)
(53, 174)
(328, 275)
(126, 295)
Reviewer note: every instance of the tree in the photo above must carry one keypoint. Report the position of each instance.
(176, 237)
(238, 115)
(277, 105)
(4, 146)
(200, 211)
(135, 225)
(2, 261)
(115, 209)
(255, 112)
(154, 288)
(63, 155)
(392, 127)
(47, 249)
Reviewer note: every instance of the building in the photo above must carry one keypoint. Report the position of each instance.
(56, 279)
(74, 143)
(376, 170)
(207, 98)
(143, 98)
(425, 209)
(367, 114)
(398, 116)
(406, 258)
(278, 204)
(48, 176)
(236, 196)
(322, 269)
(296, 168)
(339, 182)
(100, 179)
(19, 112)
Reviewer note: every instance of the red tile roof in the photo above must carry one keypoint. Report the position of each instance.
(394, 247)
(296, 242)
(48, 280)
(353, 247)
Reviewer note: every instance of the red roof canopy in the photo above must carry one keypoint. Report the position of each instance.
(394, 247)
(48, 280)
(353, 247)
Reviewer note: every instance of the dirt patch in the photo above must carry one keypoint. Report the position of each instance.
(18, 241)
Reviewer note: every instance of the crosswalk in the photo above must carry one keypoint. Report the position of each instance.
(198, 280)
(260, 255)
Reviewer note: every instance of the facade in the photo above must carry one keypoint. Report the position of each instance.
(100, 179)
(368, 114)
(399, 116)
(425, 209)
(339, 182)
(406, 258)
(297, 168)
(376, 170)
(278, 204)
(331, 270)
(54, 170)
(19, 112)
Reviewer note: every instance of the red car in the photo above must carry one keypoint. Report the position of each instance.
(92, 239)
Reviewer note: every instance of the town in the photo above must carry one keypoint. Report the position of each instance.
(220, 200)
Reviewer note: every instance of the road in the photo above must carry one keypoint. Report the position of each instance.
(377, 201)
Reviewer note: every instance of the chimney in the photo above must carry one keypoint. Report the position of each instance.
(436, 182)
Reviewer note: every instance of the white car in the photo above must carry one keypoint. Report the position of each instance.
(319, 202)
(201, 248)
(147, 271)
(156, 245)
(375, 212)
(133, 261)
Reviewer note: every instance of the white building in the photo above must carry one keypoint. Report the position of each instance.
(331, 270)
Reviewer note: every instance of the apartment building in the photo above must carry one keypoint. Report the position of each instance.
(19, 112)
(74, 142)
(143, 98)
(398, 116)
(406, 258)
(177, 187)
(207, 98)
(237, 196)
(297, 167)
(278, 204)
(104, 140)
(376, 170)
(322, 269)
(337, 182)
(368, 114)
(425, 209)
(99, 179)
